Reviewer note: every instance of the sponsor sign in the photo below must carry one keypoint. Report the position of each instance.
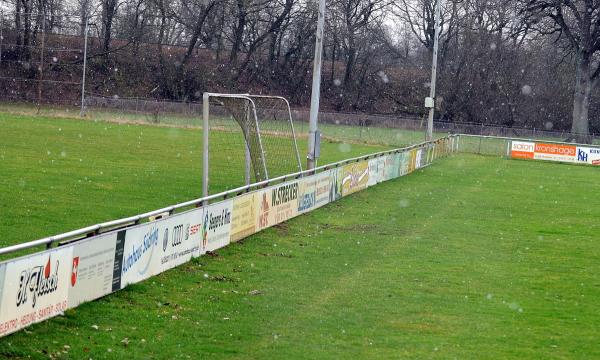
(92, 268)
(35, 288)
(412, 160)
(152, 248)
(394, 170)
(418, 155)
(276, 204)
(404, 163)
(424, 156)
(307, 194)
(243, 220)
(555, 152)
(522, 150)
(373, 172)
(587, 155)
(335, 177)
(355, 177)
(216, 225)
(381, 168)
(322, 188)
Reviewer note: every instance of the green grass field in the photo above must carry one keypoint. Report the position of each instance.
(472, 257)
(62, 174)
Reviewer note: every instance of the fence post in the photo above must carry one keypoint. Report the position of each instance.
(41, 67)
(480, 138)
(205, 129)
(85, 38)
(1, 32)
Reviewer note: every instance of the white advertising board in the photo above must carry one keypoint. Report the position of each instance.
(216, 226)
(152, 248)
(35, 288)
(323, 188)
(373, 172)
(307, 194)
(92, 268)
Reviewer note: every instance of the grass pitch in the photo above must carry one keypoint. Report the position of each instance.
(57, 175)
(471, 257)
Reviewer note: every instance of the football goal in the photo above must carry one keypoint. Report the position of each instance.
(246, 137)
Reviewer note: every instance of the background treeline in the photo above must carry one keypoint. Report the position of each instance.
(526, 63)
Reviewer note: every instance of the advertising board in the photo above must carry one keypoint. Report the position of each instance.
(35, 288)
(276, 204)
(243, 221)
(154, 247)
(555, 152)
(355, 177)
(92, 268)
(216, 226)
(322, 188)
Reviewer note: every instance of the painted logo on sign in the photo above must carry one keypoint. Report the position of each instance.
(37, 281)
(263, 219)
(74, 270)
(149, 242)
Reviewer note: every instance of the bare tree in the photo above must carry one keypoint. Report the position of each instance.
(577, 22)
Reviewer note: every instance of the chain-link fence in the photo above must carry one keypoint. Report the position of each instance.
(337, 126)
(497, 145)
(41, 58)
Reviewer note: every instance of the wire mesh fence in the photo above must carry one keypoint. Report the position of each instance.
(41, 58)
(338, 127)
(499, 146)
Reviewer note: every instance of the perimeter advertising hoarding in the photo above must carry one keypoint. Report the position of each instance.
(92, 268)
(424, 156)
(216, 226)
(323, 188)
(157, 246)
(335, 178)
(522, 150)
(355, 177)
(418, 154)
(588, 155)
(412, 155)
(391, 168)
(381, 168)
(307, 194)
(555, 152)
(243, 221)
(404, 163)
(276, 204)
(35, 288)
(373, 172)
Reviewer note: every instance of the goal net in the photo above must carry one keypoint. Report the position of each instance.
(250, 138)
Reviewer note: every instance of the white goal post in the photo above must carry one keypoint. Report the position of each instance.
(269, 138)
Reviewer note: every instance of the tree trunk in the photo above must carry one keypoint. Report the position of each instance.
(238, 32)
(581, 99)
(109, 8)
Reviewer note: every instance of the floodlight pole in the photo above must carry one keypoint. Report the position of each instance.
(316, 90)
(85, 40)
(430, 101)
